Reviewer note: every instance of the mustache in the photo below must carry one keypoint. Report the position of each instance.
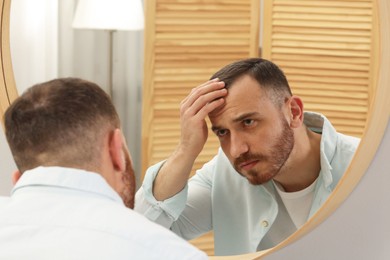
(248, 157)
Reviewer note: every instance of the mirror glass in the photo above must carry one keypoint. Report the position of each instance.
(325, 50)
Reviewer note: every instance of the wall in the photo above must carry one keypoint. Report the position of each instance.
(7, 166)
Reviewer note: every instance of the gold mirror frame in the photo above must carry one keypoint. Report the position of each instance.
(8, 90)
(376, 123)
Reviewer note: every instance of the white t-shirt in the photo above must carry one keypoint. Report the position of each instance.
(298, 204)
(62, 213)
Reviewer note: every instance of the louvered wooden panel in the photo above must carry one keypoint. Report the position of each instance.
(186, 41)
(327, 51)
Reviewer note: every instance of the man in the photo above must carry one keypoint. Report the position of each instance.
(74, 188)
(275, 168)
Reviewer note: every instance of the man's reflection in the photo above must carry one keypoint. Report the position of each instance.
(276, 166)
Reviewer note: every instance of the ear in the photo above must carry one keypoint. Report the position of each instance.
(116, 151)
(16, 176)
(296, 111)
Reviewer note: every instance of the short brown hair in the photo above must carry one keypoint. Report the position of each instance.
(59, 123)
(266, 73)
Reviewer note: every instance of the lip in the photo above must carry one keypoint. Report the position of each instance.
(248, 165)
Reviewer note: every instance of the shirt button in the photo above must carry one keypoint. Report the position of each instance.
(264, 223)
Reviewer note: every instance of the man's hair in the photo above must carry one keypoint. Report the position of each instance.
(59, 123)
(269, 76)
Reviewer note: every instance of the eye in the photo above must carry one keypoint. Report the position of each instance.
(248, 122)
(221, 132)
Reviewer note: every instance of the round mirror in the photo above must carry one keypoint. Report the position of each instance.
(376, 123)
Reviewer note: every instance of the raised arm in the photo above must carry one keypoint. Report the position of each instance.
(194, 109)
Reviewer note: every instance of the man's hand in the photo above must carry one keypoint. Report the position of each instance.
(193, 112)
(173, 175)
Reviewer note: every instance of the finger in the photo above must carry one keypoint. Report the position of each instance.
(205, 84)
(202, 90)
(204, 100)
(209, 107)
(201, 86)
(195, 92)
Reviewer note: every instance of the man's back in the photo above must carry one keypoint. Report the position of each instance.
(62, 213)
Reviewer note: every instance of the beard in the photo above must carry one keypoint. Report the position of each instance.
(274, 160)
(128, 179)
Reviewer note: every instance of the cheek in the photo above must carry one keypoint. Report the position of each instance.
(225, 145)
(263, 140)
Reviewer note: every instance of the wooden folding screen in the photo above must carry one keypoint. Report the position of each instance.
(328, 52)
(186, 41)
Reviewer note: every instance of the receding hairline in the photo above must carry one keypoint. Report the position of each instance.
(276, 95)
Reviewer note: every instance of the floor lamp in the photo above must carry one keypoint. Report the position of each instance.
(109, 15)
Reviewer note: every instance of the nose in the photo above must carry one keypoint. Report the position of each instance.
(238, 145)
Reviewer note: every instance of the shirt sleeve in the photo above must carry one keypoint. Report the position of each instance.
(162, 212)
(188, 213)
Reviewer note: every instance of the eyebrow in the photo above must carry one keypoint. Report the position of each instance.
(238, 119)
(215, 128)
(243, 116)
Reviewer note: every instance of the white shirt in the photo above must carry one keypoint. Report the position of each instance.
(62, 213)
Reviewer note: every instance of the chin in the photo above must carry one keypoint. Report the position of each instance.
(259, 180)
(256, 181)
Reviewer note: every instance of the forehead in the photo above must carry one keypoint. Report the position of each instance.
(244, 96)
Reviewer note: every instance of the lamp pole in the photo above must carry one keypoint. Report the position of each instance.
(111, 15)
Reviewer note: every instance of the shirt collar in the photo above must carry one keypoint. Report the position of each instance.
(320, 124)
(69, 178)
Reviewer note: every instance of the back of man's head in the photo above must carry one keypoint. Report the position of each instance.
(59, 123)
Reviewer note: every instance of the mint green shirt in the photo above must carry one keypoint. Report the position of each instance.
(240, 214)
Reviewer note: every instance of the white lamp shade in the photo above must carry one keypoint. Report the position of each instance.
(109, 15)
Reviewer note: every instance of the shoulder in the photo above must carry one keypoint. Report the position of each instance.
(339, 142)
(3, 202)
(344, 151)
(4, 199)
(147, 238)
(347, 143)
(146, 233)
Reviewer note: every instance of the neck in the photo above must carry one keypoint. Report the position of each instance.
(303, 166)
